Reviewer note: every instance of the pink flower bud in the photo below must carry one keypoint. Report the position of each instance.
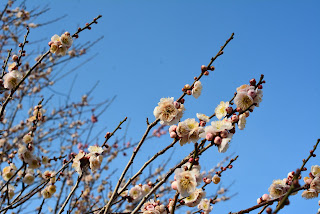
(234, 118)
(224, 134)
(229, 110)
(174, 185)
(252, 93)
(260, 86)
(217, 140)
(173, 134)
(173, 128)
(203, 68)
(202, 123)
(206, 73)
(265, 197)
(247, 113)
(253, 82)
(209, 137)
(189, 92)
(207, 181)
(176, 104)
(15, 57)
(259, 201)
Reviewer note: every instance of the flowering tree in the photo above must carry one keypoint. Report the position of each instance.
(50, 159)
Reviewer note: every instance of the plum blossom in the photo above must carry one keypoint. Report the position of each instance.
(8, 171)
(203, 117)
(186, 182)
(223, 147)
(309, 194)
(60, 45)
(135, 192)
(168, 111)
(153, 207)
(194, 198)
(278, 188)
(221, 111)
(315, 170)
(95, 149)
(205, 206)
(189, 130)
(242, 121)
(12, 79)
(196, 90)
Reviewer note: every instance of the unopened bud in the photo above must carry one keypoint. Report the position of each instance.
(216, 179)
(204, 68)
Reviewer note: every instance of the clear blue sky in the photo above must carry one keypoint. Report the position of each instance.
(151, 49)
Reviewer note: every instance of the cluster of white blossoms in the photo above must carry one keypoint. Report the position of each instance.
(280, 187)
(138, 191)
(13, 77)
(168, 111)
(8, 171)
(60, 44)
(153, 207)
(93, 159)
(219, 132)
(26, 154)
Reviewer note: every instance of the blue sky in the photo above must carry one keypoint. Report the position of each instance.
(151, 49)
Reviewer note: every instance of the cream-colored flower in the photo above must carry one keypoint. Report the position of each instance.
(12, 66)
(309, 194)
(51, 189)
(315, 184)
(95, 149)
(27, 138)
(221, 111)
(95, 162)
(315, 170)
(46, 194)
(8, 171)
(203, 117)
(66, 39)
(28, 179)
(242, 121)
(12, 79)
(194, 198)
(243, 100)
(189, 130)
(135, 192)
(205, 206)
(168, 111)
(222, 125)
(186, 182)
(278, 188)
(223, 147)
(10, 190)
(197, 88)
(258, 98)
(243, 88)
(145, 189)
(34, 163)
(55, 38)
